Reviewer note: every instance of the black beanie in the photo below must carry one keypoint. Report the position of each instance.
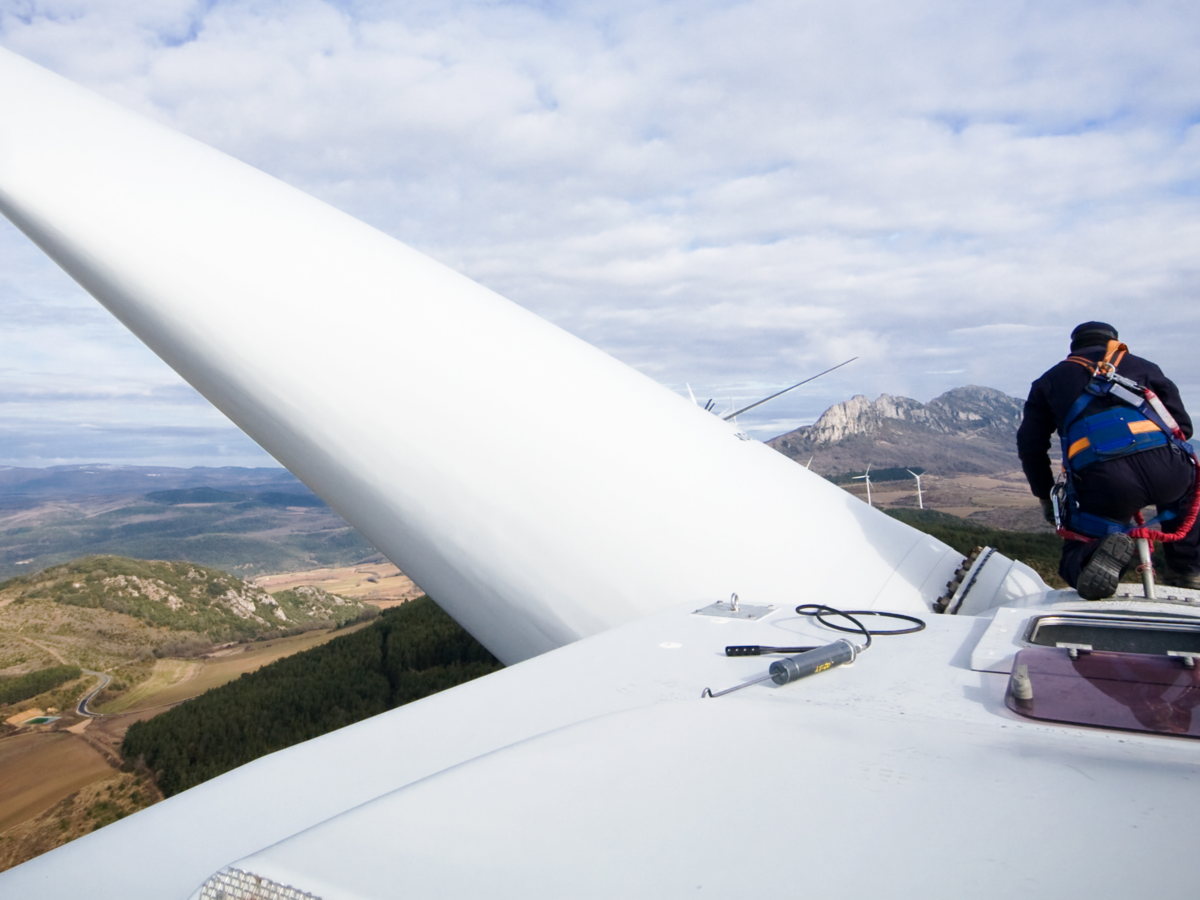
(1092, 334)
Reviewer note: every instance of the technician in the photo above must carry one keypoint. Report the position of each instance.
(1123, 428)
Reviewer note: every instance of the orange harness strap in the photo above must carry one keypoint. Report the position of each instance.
(1113, 355)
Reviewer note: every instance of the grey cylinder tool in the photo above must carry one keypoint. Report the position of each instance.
(804, 664)
(801, 665)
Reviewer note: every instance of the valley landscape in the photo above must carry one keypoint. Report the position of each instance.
(243, 521)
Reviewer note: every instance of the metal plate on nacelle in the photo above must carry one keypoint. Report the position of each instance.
(725, 610)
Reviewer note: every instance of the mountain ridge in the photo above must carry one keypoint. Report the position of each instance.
(105, 479)
(968, 430)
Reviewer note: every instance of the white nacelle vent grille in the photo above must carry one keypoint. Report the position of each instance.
(234, 884)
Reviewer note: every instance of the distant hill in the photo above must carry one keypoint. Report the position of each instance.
(215, 495)
(245, 521)
(103, 479)
(966, 431)
(179, 597)
(117, 615)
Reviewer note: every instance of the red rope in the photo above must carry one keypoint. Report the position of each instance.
(1141, 520)
(1068, 535)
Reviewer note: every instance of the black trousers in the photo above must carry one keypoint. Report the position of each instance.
(1163, 477)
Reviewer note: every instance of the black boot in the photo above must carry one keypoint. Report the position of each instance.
(1102, 572)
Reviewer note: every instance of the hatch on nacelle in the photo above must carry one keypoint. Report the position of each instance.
(1107, 689)
(1126, 663)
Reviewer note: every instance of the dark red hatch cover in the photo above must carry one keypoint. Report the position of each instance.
(1130, 691)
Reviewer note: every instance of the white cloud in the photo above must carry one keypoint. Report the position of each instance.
(731, 194)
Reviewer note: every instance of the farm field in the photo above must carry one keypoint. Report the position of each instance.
(1002, 500)
(380, 584)
(38, 770)
(58, 784)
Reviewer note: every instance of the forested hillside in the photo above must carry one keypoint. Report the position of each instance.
(410, 652)
(22, 687)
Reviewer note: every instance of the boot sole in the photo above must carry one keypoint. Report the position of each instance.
(1102, 574)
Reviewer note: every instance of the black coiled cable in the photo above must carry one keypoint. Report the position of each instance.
(819, 611)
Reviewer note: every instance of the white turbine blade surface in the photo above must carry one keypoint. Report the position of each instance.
(567, 509)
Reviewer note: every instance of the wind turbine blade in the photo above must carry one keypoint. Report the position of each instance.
(562, 529)
(785, 390)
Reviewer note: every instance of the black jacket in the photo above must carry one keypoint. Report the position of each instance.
(1051, 398)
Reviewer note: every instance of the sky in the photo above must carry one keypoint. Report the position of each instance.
(731, 196)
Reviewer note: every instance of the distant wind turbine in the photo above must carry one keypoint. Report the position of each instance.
(867, 476)
(920, 501)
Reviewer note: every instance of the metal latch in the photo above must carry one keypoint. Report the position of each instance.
(1073, 650)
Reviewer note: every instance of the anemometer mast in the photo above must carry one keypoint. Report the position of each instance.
(738, 412)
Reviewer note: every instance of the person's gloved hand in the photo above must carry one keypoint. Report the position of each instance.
(1048, 509)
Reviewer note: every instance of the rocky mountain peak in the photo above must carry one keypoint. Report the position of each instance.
(967, 429)
(973, 407)
(858, 415)
(961, 410)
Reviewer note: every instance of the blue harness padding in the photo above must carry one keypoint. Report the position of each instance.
(1113, 432)
(1109, 434)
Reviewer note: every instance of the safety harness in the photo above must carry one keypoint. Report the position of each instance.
(1139, 421)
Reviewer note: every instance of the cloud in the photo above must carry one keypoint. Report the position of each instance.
(734, 195)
